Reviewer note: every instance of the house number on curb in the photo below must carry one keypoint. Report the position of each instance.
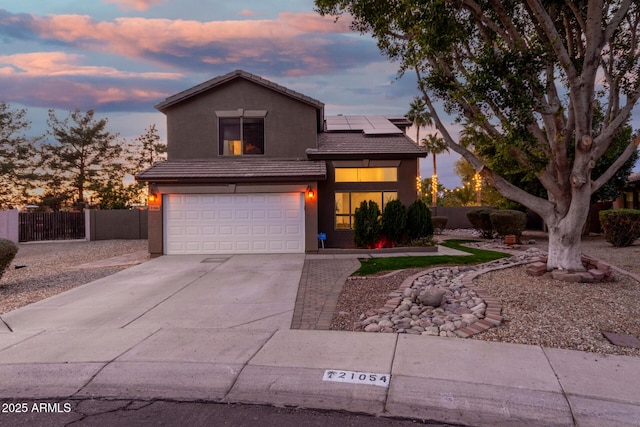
(381, 380)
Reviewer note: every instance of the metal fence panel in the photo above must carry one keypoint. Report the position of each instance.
(38, 226)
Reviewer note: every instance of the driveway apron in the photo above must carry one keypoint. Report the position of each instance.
(245, 291)
(239, 291)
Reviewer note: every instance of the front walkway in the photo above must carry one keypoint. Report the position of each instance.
(320, 286)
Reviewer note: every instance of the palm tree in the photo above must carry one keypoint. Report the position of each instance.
(418, 116)
(434, 145)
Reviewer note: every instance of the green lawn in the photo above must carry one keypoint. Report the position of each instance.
(479, 256)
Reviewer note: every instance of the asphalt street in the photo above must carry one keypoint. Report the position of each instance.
(112, 413)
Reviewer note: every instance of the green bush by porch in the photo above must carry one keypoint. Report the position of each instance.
(621, 226)
(8, 251)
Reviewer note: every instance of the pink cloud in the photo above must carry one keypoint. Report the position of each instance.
(134, 4)
(60, 92)
(314, 23)
(247, 12)
(43, 64)
(299, 39)
(134, 36)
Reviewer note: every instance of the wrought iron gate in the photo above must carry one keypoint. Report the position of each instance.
(36, 226)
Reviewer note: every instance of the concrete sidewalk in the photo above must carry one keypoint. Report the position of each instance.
(449, 380)
(217, 329)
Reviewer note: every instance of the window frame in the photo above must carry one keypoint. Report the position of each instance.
(241, 115)
(352, 209)
(363, 170)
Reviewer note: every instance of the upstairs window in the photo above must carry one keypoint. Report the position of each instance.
(241, 132)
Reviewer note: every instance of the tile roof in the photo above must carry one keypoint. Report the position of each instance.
(356, 144)
(217, 81)
(225, 170)
(634, 177)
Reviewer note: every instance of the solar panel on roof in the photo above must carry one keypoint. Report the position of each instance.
(384, 131)
(369, 125)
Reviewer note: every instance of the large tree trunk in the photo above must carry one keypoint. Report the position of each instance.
(565, 234)
(565, 247)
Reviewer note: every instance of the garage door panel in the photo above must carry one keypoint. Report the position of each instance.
(209, 247)
(293, 230)
(191, 215)
(208, 231)
(242, 214)
(276, 245)
(234, 223)
(275, 230)
(258, 214)
(293, 245)
(192, 231)
(175, 231)
(243, 246)
(260, 246)
(275, 214)
(258, 230)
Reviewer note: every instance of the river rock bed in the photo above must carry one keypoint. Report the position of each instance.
(442, 302)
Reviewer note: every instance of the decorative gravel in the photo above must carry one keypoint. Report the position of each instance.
(46, 268)
(536, 310)
(545, 312)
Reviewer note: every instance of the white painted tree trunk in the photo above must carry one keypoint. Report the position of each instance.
(565, 234)
(565, 248)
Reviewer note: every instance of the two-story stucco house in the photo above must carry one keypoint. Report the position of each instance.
(254, 167)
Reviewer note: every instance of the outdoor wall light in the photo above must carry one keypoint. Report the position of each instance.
(310, 193)
(153, 192)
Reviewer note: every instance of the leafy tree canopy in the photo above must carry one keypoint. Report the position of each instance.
(85, 152)
(18, 157)
(527, 77)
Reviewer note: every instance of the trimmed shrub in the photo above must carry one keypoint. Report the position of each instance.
(419, 221)
(439, 223)
(480, 221)
(394, 221)
(366, 224)
(507, 221)
(8, 251)
(621, 226)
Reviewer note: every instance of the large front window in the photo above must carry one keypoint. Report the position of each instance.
(241, 136)
(347, 202)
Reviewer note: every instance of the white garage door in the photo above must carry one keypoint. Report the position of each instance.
(234, 223)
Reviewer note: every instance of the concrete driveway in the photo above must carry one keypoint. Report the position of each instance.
(239, 291)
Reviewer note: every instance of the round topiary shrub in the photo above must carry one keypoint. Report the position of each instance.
(480, 221)
(508, 222)
(366, 224)
(8, 251)
(621, 226)
(419, 221)
(394, 221)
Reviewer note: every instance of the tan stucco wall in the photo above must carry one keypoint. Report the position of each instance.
(192, 126)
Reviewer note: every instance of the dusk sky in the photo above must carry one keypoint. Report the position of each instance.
(121, 57)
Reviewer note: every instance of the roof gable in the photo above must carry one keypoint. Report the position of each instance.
(221, 80)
